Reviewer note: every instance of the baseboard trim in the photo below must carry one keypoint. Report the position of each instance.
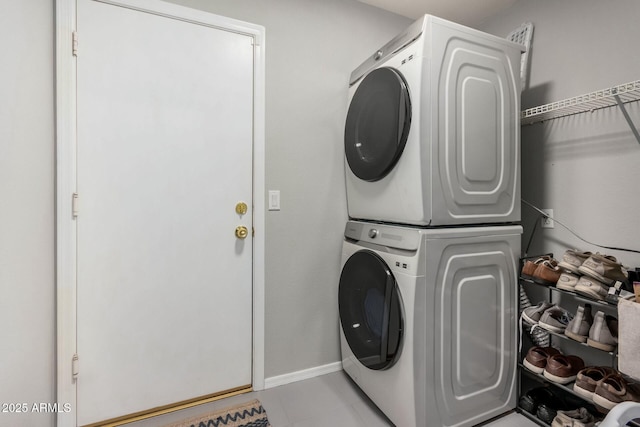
(305, 374)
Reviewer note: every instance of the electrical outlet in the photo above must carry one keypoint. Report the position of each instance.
(547, 221)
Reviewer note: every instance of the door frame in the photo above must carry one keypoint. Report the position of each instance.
(66, 176)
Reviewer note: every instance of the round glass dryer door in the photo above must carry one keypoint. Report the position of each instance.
(377, 125)
(370, 310)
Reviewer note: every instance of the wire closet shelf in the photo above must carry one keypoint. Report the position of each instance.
(617, 95)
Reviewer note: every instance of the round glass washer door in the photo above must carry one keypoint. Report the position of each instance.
(377, 125)
(370, 310)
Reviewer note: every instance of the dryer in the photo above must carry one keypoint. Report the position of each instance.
(428, 320)
(432, 134)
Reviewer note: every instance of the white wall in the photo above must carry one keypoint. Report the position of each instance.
(27, 304)
(586, 167)
(312, 46)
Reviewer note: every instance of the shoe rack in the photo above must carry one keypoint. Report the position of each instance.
(605, 98)
(588, 353)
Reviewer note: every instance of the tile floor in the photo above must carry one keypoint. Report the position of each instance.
(330, 400)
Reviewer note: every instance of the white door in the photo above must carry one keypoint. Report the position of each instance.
(164, 285)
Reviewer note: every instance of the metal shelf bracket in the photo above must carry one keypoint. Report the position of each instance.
(627, 118)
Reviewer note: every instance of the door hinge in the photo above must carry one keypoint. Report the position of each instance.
(74, 43)
(74, 205)
(74, 367)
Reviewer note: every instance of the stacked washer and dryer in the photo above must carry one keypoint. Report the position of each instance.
(428, 287)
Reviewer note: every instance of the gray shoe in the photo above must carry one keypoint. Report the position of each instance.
(567, 281)
(592, 288)
(555, 319)
(577, 418)
(604, 332)
(573, 259)
(578, 328)
(531, 315)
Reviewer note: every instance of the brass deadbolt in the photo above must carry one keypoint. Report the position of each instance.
(242, 232)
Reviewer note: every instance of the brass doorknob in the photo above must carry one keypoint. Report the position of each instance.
(241, 208)
(242, 232)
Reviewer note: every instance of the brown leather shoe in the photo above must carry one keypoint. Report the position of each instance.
(529, 267)
(536, 358)
(563, 369)
(614, 389)
(547, 273)
(589, 378)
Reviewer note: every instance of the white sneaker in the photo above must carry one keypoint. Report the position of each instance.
(567, 281)
(604, 268)
(592, 288)
(573, 259)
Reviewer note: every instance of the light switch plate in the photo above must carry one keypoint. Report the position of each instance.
(274, 200)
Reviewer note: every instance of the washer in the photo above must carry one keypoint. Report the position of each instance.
(428, 320)
(432, 134)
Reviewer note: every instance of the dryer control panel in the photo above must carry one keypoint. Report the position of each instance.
(405, 238)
